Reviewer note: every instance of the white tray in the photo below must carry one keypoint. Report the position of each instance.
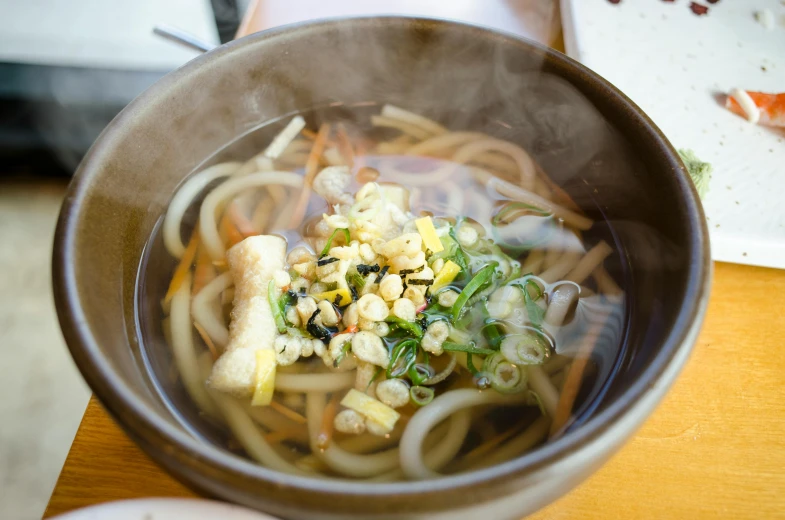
(675, 65)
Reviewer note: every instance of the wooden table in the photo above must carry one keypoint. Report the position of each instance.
(715, 448)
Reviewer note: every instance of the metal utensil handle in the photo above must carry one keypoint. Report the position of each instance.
(183, 38)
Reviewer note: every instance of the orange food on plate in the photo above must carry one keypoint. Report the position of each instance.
(765, 109)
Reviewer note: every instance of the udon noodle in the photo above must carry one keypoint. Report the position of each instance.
(387, 308)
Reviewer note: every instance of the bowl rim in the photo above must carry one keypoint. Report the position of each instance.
(146, 426)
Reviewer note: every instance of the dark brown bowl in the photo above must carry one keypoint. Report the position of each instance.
(593, 141)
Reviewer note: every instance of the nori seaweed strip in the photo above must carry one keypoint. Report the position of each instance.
(326, 261)
(418, 281)
(406, 272)
(365, 269)
(337, 300)
(381, 275)
(423, 322)
(355, 296)
(318, 331)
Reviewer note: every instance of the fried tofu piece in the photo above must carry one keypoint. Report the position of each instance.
(252, 263)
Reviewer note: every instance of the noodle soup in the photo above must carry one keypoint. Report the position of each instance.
(382, 298)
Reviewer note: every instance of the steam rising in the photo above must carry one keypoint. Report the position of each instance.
(459, 76)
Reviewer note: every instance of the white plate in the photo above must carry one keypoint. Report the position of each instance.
(165, 509)
(673, 64)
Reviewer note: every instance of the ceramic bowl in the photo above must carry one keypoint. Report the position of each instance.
(586, 134)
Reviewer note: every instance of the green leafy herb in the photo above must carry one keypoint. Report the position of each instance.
(329, 243)
(344, 350)
(275, 305)
(376, 374)
(355, 279)
(459, 255)
(490, 330)
(404, 353)
(700, 172)
(418, 374)
(411, 327)
(482, 277)
(531, 294)
(470, 365)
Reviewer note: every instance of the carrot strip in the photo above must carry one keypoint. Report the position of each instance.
(311, 168)
(345, 146)
(351, 329)
(184, 267)
(574, 378)
(560, 196)
(311, 136)
(207, 341)
(485, 447)
(308, 134)
(233, 235)
(281, 435)
(287, 412)
(240, 221)
(204, 271)
(326, 430)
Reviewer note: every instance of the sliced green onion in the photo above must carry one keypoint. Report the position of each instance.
(449, 346)
(528, 285)
(418, 374)
(535, 312)
(376, 374)
(528, 348)
(431, 314)
(460, 256)
(406, 350)
(444, 374)
(355, 279)
(516, 270)
(482, 294)
(411, 327)
(490, 330)
(519, 226)
(272, 299)
(344, 350)
(470, 364)
(329, 243)
(482, 277)
(512, 207)
(299, 333)
(421, 395)
(505, 377)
